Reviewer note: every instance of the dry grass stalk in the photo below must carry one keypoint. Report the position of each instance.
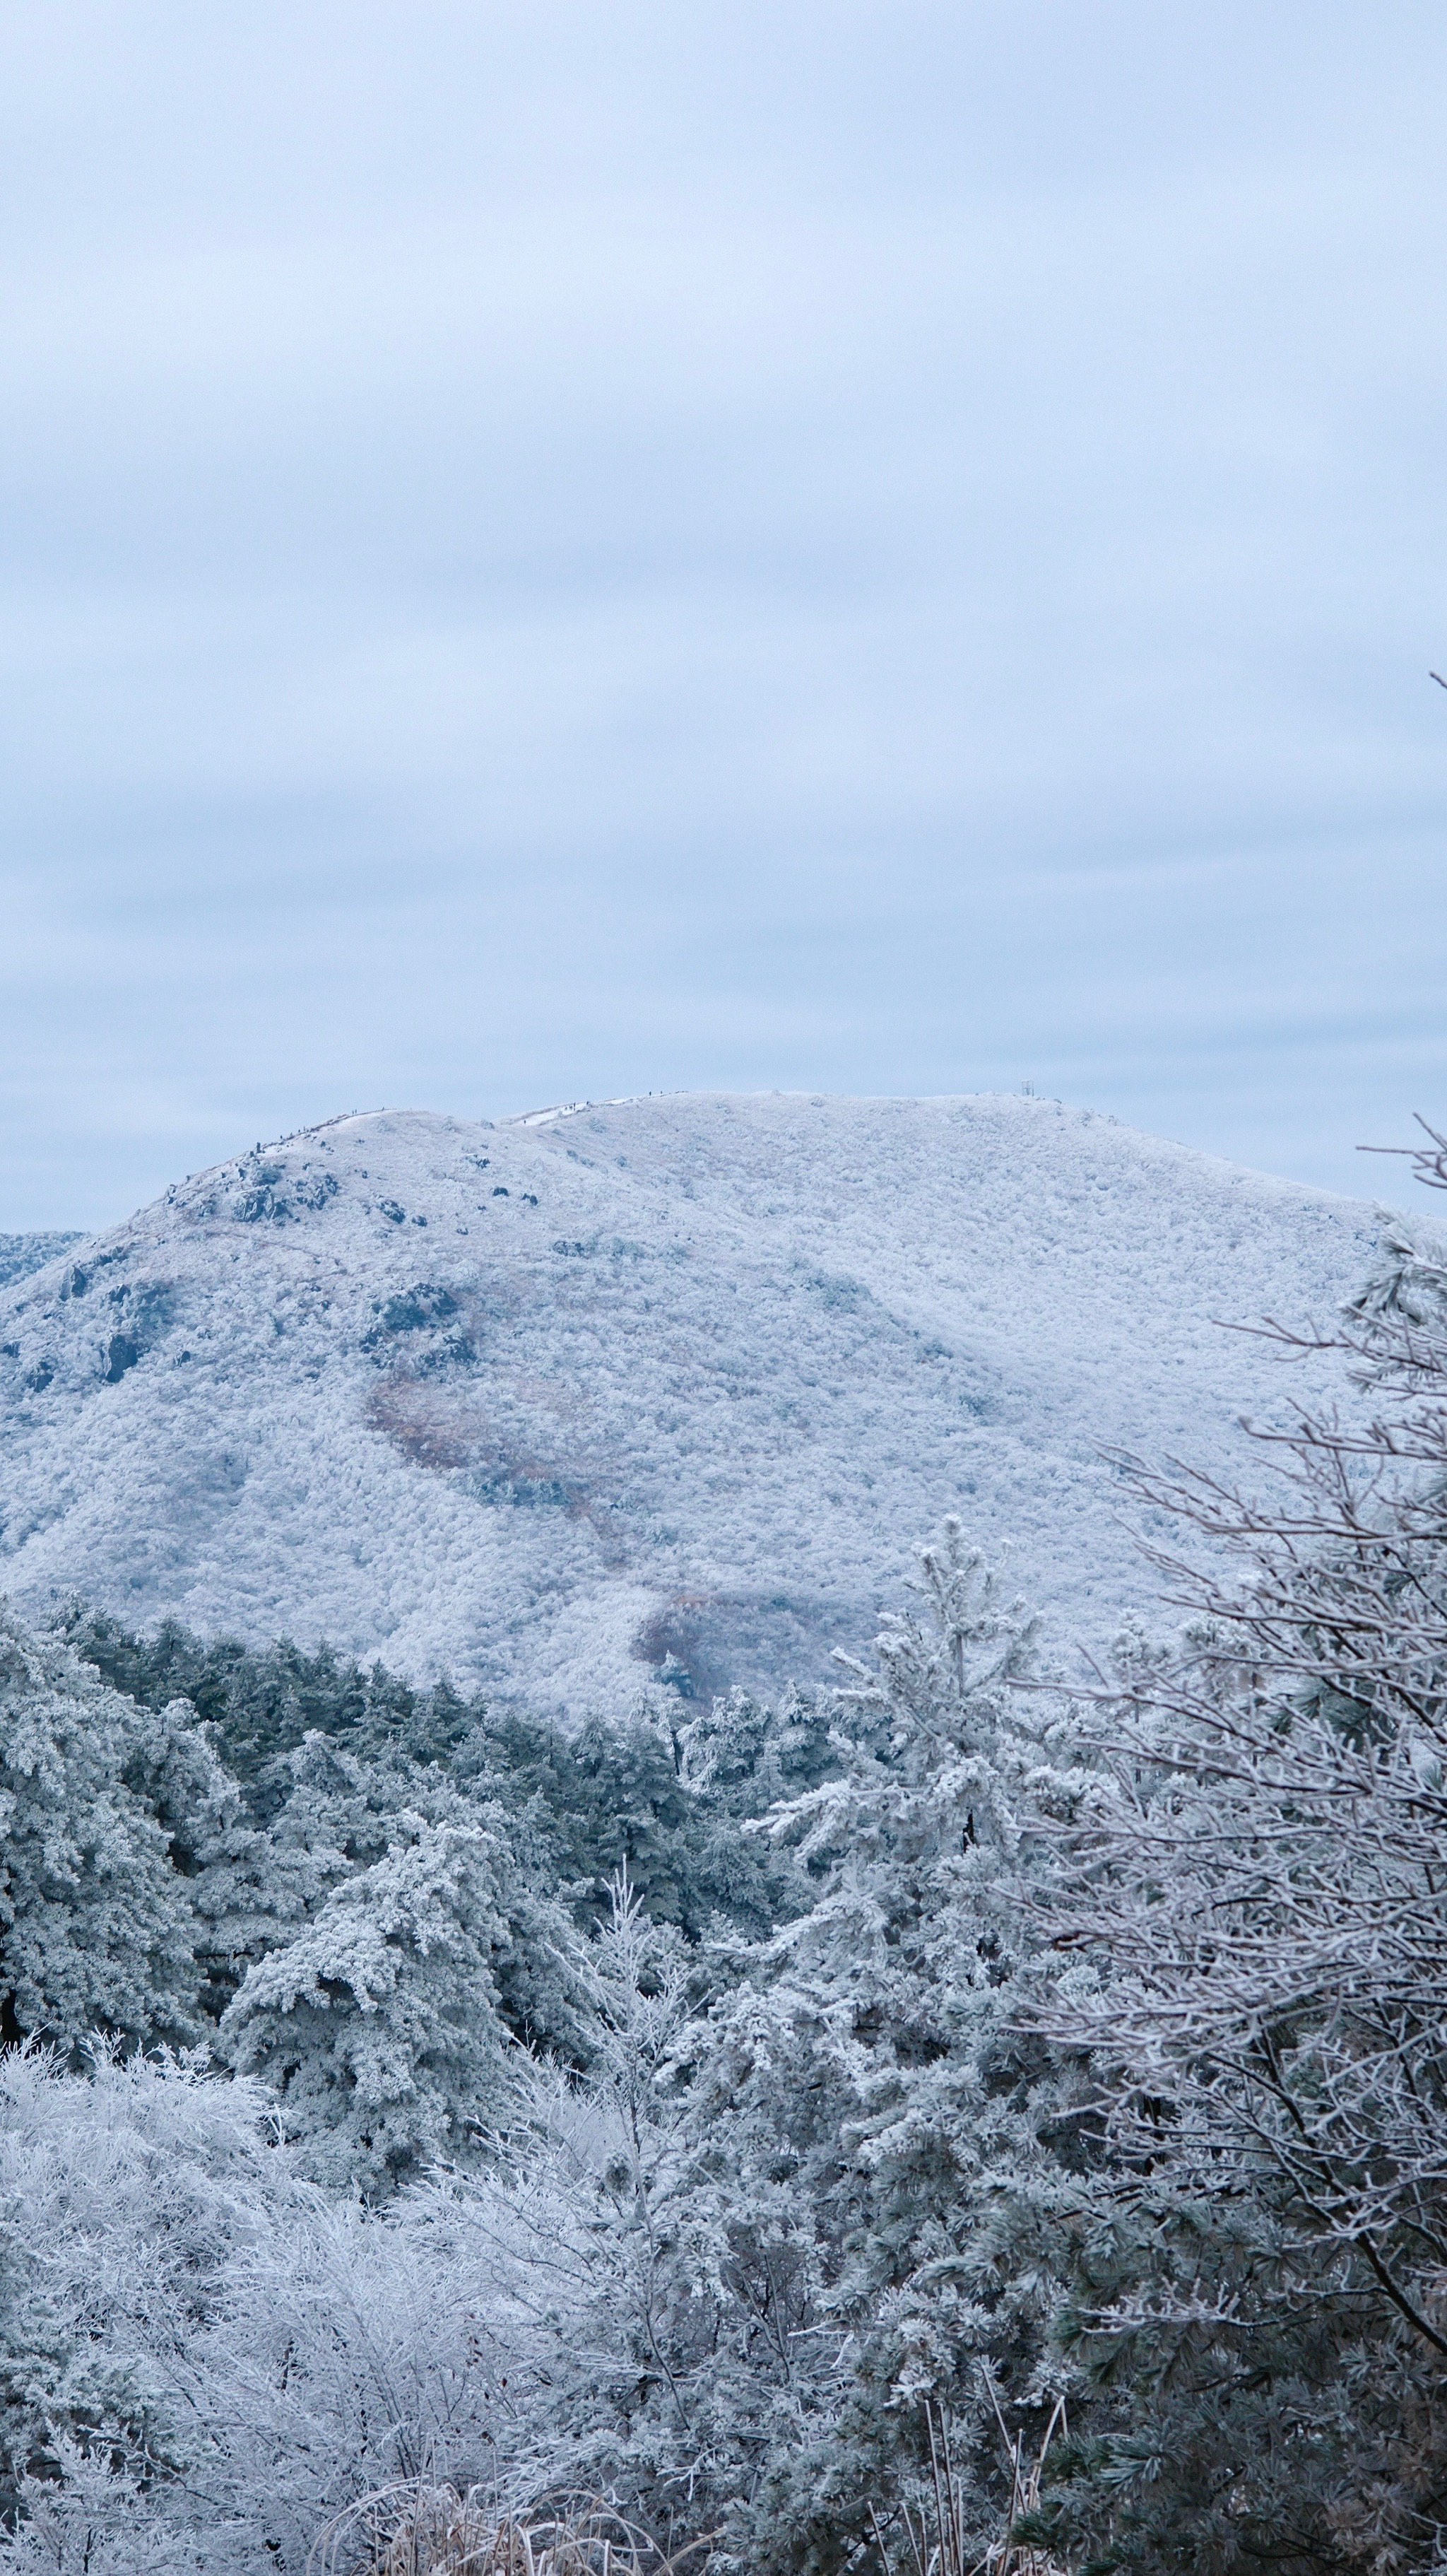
(416, 2529)
(938, 2540)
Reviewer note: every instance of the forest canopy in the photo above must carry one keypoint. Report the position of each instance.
(962, 2117)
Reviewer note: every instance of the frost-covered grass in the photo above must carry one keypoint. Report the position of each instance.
(414, 2529)
(665, 1386)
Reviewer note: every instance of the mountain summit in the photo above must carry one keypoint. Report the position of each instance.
(662, 1387)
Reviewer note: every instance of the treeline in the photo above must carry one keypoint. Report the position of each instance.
(645, 1794)
(952, 2121)
(201, 1840)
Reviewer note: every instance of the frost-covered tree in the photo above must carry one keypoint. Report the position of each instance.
(585, 2214)
(654, 1791)
(261, 1702)
(242, 1895)
(96, 1930)
(740, 1758)
(884, 2145)
(804, 2194)
(609, 2234)
(378, 2026)
(340, 1813)
(1259, 1888)
(90, 2515)
(785, 2196)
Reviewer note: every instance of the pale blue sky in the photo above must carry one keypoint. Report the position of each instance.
(583, 549)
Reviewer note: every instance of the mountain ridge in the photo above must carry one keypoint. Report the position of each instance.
(660, 1388)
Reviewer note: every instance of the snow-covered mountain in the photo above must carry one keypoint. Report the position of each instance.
(22, 1253)
(663, 1385)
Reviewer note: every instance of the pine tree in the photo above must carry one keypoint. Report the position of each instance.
(876, 2123)
(378, 2026)
(631, 2366)
(96, 1932)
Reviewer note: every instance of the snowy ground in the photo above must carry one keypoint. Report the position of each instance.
(548, 1401)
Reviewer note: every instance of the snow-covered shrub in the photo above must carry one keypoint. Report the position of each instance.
(202, 2357)
(353, 2348)
(90, 2517)
(125, 2196)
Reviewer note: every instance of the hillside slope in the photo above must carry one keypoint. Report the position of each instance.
(22, 1253)
(671, 1384)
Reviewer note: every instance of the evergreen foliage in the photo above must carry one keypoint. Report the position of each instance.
(658, 1800)
(261, 1703)
(378, 2027)
(731, 2112)
(96, 1930)
(881, 2130)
